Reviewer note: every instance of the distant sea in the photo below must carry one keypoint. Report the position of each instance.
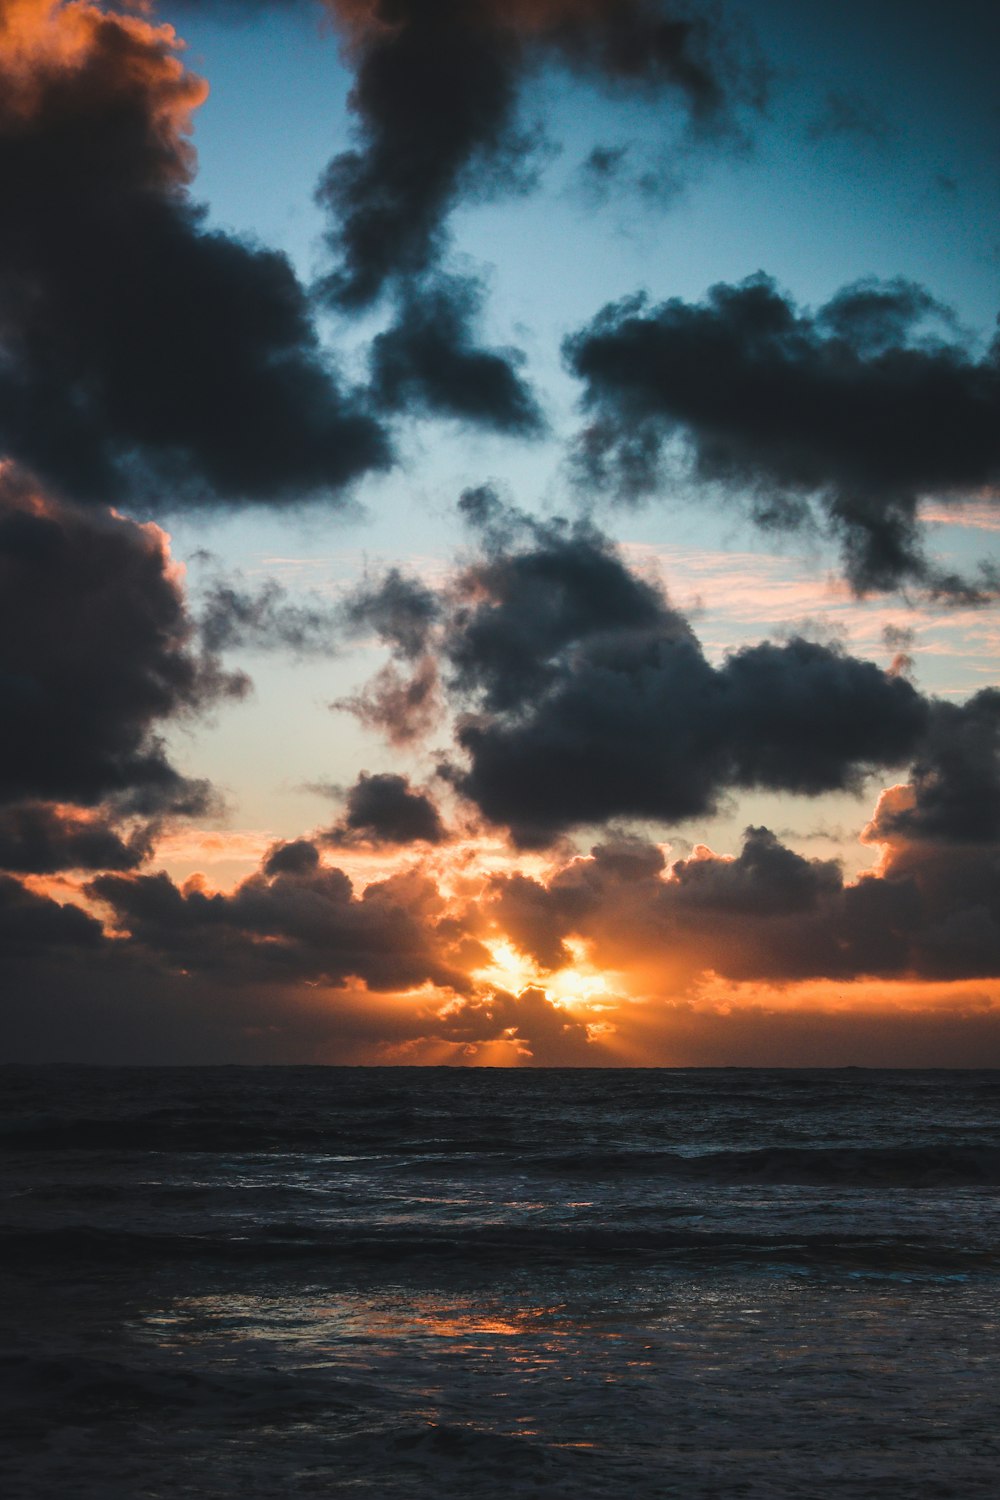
(223, 1282)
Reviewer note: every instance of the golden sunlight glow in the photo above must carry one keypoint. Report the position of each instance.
(512, 971)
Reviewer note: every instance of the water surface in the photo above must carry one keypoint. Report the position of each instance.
(419, 1282)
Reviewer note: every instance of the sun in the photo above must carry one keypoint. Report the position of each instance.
(575, 985)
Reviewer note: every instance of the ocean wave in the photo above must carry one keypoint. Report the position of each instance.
(931, 1166)
(487, 1245)
(234, 1136)
(79, 1387)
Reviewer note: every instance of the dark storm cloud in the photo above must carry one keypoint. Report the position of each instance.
(429, 362)
(915, 919)
(590, 699)
(37, 838)
(861, 406)
(436, 97)
(584, 696)
(954, 792)
(141, 354)
(538, 592)
(297, 920)
(33, 925)
(298, 857)
(649, 729)
(385, 809)
(96, 653)
(764, 879)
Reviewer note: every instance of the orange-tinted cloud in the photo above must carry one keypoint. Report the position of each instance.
(617, 958)
(41, 39)
(141, 353)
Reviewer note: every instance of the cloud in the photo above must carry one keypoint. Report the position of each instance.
(141, 354)
(39, 838)
(428, 362)
(385, 809)
(263, 618)
(437, 94)
(296, 920)
(582, 696)
(298, 857)
(400, 610)
(767, 915)
(403, 701)
(856, 408)
(98, 651)
(588, 697)
(621, 171)
(602, 170)
(535, 1026)
(33, 925)
(954, 792)
(630, 906)
(403, 706)
(764, 879)
(685, 946)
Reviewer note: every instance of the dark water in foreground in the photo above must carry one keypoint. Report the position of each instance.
(424, 1282)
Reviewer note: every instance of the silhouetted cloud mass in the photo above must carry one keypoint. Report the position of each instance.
(542, 685)
(295, 920)
(385, 809)
(766, 914)
(436, 94)
(862, 407)
(142, 355)
(954, 792)
(436, 99)
(32, 925)
(585, 696)
(297, 857)
(37, 838)
(428, 362)
(98, 652)
(542, 1030)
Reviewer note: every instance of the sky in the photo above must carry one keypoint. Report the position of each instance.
(500, 532)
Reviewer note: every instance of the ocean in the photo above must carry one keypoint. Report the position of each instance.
(422, 1282)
